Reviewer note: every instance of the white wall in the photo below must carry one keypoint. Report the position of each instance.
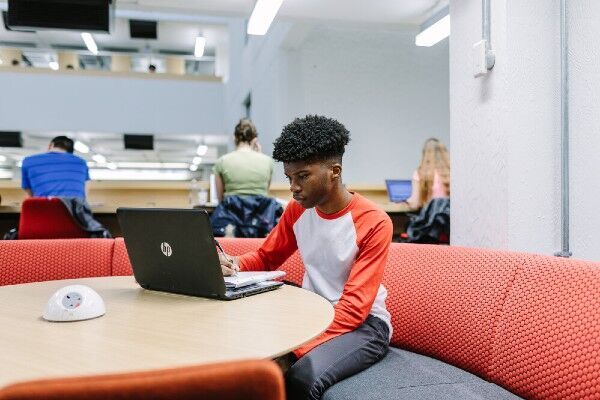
(390, 94)
(505, 128)
(53, 102)
(584, 30)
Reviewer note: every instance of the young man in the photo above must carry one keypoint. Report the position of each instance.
(343, 239)
(56, 173)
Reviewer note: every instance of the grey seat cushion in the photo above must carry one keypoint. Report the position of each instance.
(405, 375)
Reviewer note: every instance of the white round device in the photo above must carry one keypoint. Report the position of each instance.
(74, 303)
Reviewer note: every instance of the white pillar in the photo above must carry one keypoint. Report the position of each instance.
(505, 127)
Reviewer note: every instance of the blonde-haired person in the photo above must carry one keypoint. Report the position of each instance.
(431, 179)
(246, 170)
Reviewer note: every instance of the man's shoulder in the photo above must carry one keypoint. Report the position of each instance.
(370, 208)
(43, 158)
(34, 157)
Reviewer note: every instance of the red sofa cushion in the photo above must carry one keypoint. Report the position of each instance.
(121, 266)
(444, 300)
(547, 338)
(25, 261)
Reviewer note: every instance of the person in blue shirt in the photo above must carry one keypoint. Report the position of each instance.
(56, 173)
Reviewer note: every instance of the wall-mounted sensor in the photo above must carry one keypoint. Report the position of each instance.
(74, 303)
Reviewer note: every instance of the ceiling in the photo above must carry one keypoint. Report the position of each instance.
(362, 11)
(179, 23)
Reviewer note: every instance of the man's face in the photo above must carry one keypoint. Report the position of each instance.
(310, 183)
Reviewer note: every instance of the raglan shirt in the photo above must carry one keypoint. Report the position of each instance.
(344, 256)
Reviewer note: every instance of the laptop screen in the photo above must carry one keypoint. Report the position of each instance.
(398, 190)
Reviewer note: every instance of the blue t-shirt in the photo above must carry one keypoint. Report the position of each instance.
(55, 174)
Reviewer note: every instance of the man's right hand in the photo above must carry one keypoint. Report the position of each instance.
(229, 266)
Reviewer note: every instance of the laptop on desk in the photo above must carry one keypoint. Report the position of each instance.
(173, 250)
(399, 190)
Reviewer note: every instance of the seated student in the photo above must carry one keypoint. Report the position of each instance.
(344, 240)
(242, 180)
(246, 170)
(431, 180)
(60, 173)
(56, 173)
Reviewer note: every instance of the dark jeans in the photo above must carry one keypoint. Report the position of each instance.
(337, 359)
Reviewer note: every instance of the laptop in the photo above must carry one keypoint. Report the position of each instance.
(173, 250)
(398, 190)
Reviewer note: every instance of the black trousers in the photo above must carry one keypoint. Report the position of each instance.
(337, 359)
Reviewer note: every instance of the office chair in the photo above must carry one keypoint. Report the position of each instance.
(47, 218)
(240, 380)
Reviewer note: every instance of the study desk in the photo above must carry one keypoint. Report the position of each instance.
(144, 329)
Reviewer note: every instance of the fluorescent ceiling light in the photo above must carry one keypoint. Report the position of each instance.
(263, 14)
(104, 174)
(53, 65)
(435, 29)
(193, 167)
(197, 160)
(153, 165)
(199, 47)
(2, 158)
(202, 149)
(90, 43)
(99, 158)
(81, 147)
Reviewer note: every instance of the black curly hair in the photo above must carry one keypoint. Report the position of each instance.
(312, 138)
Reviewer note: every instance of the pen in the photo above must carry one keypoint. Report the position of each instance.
(225, 255)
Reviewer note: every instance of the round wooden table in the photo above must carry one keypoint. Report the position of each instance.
(145, 329)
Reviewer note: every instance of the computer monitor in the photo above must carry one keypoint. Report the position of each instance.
(399, 190)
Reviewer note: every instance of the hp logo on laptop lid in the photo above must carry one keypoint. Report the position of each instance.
(166, 249)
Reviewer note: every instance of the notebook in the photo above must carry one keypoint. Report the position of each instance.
(245, 278)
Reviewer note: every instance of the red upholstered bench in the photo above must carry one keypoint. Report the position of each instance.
(467, 322)
(23, 261)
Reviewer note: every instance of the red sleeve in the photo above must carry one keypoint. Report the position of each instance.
(278, 246)
(361, 287)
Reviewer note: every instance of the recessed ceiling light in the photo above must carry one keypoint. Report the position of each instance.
(202, 149)
(99, 158)
(263, 14)
(199, 47)
(90, 43)
(434, 29)
(81, 147)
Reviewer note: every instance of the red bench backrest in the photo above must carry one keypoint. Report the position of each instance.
(23, 261)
